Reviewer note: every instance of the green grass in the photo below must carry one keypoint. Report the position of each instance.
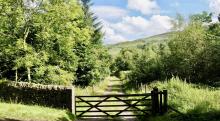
(197, 103)
(28, 112)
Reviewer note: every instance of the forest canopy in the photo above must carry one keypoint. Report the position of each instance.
(51, 42)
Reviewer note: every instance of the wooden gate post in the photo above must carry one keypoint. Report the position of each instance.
(152, 103)
(155, 101)
(161, 110)
(165, 108)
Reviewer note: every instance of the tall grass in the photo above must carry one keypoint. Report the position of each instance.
(197, 103)
(187, 97)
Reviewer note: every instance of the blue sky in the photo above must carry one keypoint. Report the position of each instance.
(127, 20)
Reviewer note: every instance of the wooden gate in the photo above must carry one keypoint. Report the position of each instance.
(121, 105)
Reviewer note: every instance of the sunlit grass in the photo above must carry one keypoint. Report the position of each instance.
(32, 112)
(197, 103)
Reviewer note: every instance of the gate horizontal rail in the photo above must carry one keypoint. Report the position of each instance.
(111, 115)
(121, 95)
(114, 105)
(112, 100)
(116, 110)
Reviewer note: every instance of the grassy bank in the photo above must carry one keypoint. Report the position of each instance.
(22, 112)
(197, 103)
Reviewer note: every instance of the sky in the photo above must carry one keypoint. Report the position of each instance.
(127, 20)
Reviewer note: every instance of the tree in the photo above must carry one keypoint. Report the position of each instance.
(204, 17)
(125, 60)
(15, 29)
(91, 20)
(93, 59)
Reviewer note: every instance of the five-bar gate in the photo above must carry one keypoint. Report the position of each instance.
(121, 105)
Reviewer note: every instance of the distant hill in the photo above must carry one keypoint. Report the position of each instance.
(115, 49)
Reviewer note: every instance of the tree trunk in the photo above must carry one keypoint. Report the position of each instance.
(25, 48)
(25, 37)
(29, 74)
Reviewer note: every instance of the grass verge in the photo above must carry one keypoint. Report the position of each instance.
(197, 103)
(20, 112)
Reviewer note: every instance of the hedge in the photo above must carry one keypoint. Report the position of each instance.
(36, 94)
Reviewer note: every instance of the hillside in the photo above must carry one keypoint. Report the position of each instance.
(115, 48)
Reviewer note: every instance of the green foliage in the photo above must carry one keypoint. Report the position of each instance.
(94, 61)
(124, 61)
(185, 48)
(191, 54)
(123, 75)
(91, 20)
(203, 17)
(50, 42)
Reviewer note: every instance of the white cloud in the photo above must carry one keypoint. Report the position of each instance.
(136, 27)
(139, 26)
(214, 5)
(131, 25)
(109, 12)
(119, 26)
(111, 37)
(146, 7)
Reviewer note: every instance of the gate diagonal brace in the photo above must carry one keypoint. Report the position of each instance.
(94, 106)
(132, 105)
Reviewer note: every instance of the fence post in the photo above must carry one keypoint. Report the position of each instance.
(165, 101)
